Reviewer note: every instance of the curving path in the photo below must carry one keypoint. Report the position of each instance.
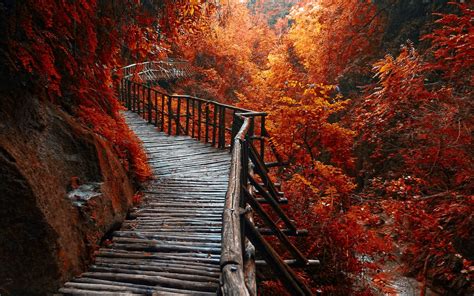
(171, 243)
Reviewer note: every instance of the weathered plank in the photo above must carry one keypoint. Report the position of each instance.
(171, 243)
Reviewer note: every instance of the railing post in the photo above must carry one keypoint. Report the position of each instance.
(207, 124)
(199, 120)
(187, 115)
(193, 117)
(140, 110)
(134, 96)
(236, 124)
(149, 106)
(178, 114)
(121, 88)
(143, 101)
(251, 132)
(222, 127)
(156, 108)
(129, 95)
(262, 138)
(170, 111)
(124, 92)
(162, 122)
(214, 124)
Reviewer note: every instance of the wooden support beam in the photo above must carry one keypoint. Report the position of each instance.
(274, 227)
(289, 262)
(289, 232)
(272, 200)
(287, 276)
(282, 200)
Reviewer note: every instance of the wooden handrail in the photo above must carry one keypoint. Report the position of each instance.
(224, 126)
(232, 263)
(236, 228)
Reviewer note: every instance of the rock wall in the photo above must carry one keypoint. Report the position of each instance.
(48, 230)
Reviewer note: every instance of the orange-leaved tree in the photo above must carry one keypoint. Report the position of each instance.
(333, 37)
(302, 122)
(417, 121)
(239, 59)
(227, 51)
(67, 52)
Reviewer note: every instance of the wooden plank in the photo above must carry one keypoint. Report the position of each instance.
(173, 246)
(154, 280)
(156, 289)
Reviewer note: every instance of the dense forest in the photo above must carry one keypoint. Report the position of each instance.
(368, 102)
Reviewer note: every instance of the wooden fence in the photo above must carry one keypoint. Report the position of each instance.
(251, 192)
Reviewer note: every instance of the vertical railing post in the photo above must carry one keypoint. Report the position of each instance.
(214, 124)
(124, 92)
(156, 107)
(162, 122)
(129, 95)
(134, 96)
(149, 106)
(251, 132)
(193, 118)
(199, 119)
(178, 115)
(236, 124)
(207, 124)
(144, 108)
(262, 138)
(222, 127)
(139, 109)
(170, 111)
(187, 115)
(120, 91)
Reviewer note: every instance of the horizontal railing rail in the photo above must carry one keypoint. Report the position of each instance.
(250, 189)
(246, 167)
(157, 70)
(205, 120)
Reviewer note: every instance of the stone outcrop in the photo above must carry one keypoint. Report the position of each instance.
(50, 224)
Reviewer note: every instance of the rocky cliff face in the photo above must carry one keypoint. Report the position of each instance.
(49, 225)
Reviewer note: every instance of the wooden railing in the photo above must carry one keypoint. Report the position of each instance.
(248, 179)
(205, 120)
(250, 186)
(155, 71)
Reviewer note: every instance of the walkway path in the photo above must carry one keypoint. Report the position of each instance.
(171, 244)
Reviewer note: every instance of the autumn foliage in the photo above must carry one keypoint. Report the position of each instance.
(68, 51)
(240, 59)
(417, 120)
(388, 166)
(391, 163)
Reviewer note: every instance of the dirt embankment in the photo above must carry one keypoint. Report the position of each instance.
(48, 230)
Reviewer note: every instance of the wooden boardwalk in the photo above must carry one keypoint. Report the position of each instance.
(171, 244)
